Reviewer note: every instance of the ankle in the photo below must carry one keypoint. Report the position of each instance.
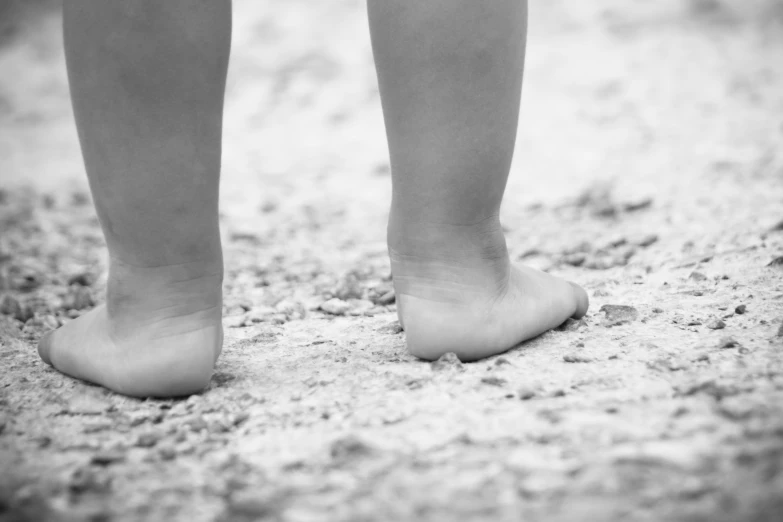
(448, 263)
(482, 241)
(174, 290)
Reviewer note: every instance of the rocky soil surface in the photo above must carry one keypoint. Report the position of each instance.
(649, 168)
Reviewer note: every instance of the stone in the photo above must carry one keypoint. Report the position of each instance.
(393, 328)
(167, 452)
(82, 279)
(615, 315)
(221, 378)
(778, 261)
(106, 457)
(240, 418)
(447, 361)
(10, 305)
(359, 306)
(571, 325)
(148, 440)
(87, 405)
(493, 381)
(716, 324)
(349, 287)
(526, 393)
(575, 259)
(25, 279)
(335, 306)
(727, 342)
(84, 479)
(349, 447)
(741, 309)
(387, 298)
(78, 298)
(718, 389)
(253, 505)
(647, 240)
(197, 423)
(576, 358)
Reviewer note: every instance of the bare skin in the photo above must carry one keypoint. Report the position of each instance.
(450, 75)
(147, 82)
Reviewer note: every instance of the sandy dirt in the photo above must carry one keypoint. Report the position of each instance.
(649, 168)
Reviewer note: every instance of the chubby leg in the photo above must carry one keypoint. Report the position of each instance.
(450, 75)
(147, 80)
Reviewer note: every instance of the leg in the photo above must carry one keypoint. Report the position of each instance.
(147, 81)
(450, 75)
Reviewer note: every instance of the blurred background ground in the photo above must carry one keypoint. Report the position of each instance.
(648, 168)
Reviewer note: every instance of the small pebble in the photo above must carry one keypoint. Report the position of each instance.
(500, 361)
(253, 505)
(657, 310)
(167, 452)
(359, 306)
(81, 279)
(240, 418)
(571, 325)
(97, 426)
(647, 240)
(78, 298)
(80, 199)
(221, 378)
(26, 280)
(387, 298)
(147, 440)
(107, 457)
(576, 358)
(618, 314)
(85, 479)
(87, 405)
(10, 305)
(350, 287)
(641, 204)
(197, 424)
(716, 324)
(392, 328)
(335, 306)
(493, 381)
(740, 309)
(43, 322)
(576, 259)
(727, 342)
(447, 361)
(557, 392)
(697, 276)
(713, 387)
(526, 393)
(349, 447)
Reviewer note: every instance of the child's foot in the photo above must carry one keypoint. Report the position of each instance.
(158, 335)
(458, 292)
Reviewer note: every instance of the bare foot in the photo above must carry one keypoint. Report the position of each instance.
(458, 292)
(158, 335)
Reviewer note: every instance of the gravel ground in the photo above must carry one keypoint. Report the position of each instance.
(649, 168)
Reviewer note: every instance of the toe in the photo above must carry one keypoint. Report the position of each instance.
(582, 301)
(45, 347)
